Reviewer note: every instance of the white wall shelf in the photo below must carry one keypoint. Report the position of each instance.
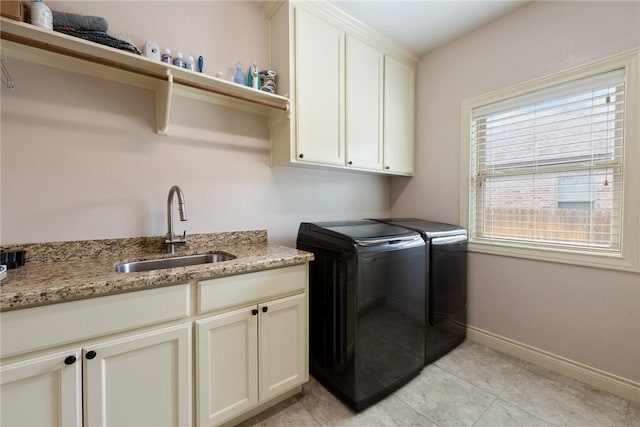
(34, 44)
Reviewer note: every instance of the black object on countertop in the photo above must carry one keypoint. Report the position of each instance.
(12, 259)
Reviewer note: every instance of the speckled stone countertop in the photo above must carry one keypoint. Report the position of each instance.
(65, 271)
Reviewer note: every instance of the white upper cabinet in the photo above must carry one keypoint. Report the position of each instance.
(399, 117)
(319, 90)
(334, 70)
(364, 103)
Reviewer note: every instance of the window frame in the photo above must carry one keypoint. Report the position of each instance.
(628, 259)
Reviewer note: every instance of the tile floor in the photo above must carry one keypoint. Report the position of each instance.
(471, 386)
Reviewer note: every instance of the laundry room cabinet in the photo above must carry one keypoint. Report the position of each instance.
(249, 356)
(351, 91)
(80, 362)
(364, 105)
(320, 90)
(253, 347)
(238, 343)
(43, 391)
(399, 117)
(137, 380)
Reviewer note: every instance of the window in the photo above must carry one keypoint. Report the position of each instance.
(548, 167)
(579, 192)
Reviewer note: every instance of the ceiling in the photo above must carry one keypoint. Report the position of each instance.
(422, 25)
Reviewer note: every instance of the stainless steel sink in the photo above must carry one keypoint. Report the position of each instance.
(179, 261)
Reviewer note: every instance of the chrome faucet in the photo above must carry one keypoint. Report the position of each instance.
(171, 240)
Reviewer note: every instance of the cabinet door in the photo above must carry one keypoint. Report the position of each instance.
(319, 96)
(283, 345)
(227, 365)
(140, 380)
(364, 90)
(399, 116)
(43, 391)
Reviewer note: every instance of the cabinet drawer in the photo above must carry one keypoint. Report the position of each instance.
(233, 291)
(40, 327)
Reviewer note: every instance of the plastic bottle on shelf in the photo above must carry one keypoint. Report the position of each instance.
(166, 56)
(191, 64)
(41, 15)
(178, 61)
(253, 76)
(238, 77)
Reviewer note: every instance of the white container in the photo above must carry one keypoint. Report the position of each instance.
(178, 61)
(191, 63)
(41, 15)
(166, 56)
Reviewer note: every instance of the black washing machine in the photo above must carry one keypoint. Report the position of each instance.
(447, 283)
(367, 307)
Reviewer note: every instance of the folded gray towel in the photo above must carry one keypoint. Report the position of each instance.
(79, 22)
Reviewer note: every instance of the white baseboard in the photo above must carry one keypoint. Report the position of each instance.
(594, 377)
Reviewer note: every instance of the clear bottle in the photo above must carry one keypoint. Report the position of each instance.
(238, 77)
(178, 61)
(166, 56)
(41, 15)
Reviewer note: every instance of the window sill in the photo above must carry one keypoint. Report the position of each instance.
(559, 255)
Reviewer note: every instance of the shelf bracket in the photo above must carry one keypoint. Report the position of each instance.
(163, 104)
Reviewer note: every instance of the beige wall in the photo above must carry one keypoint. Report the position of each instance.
(80, 158)
(588, 315)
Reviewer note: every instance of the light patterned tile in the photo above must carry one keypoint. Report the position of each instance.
(562, 401)
(257, 419)
(295, 415)
(445, 398)
(325, 408)
(563, 379)
(390, 412)
(502, 413)
(633, 415)
(481, 366)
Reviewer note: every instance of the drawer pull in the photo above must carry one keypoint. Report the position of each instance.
(265, 309)
(90, 354)
(254, 311)
(70, 360)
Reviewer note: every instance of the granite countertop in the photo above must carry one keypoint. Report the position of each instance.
(65, 271)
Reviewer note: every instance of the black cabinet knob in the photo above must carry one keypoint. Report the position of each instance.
(90, 354)
(70, 360)
(265, 309)
(386, 167)
(349, 162)
(301, 156)
(254, 311)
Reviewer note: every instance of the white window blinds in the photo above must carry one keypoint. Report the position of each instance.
(547, 166)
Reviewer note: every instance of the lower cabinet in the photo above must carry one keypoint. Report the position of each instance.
(60, 367)
(139, 380)
(42, 391)
(248, 356)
